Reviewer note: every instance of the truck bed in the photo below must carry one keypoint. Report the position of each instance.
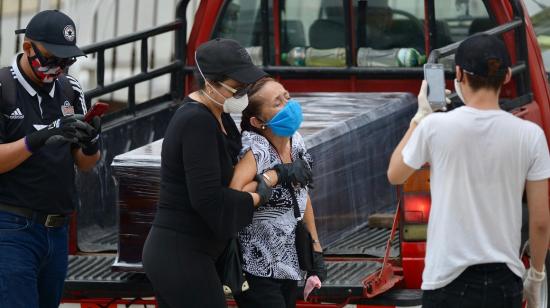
(364, 242)
(91, 276)
(349, 135)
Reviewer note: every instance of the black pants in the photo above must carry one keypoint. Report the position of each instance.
(268, 293)
(182, 271)
(485, 285)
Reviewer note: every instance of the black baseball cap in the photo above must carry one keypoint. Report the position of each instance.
(476, 52)
(228, 58)
(55, 31)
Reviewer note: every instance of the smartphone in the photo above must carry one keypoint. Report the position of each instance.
(97, 110)
(434, 75)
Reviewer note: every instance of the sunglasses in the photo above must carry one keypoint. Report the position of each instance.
(237, 93)
(52, 61)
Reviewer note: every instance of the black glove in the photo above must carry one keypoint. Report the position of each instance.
(294, 173)
(263, 190)
(319, 266)
(88, 134)
(60, 130)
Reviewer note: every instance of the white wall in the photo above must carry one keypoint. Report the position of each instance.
(82, 12)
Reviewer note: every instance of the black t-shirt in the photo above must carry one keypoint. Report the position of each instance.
(45, 181)
(196, 169)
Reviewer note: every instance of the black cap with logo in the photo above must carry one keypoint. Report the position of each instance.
(55, 31)
(476, 53)
(228, 58)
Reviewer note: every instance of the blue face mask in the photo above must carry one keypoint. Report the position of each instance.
(287, 121)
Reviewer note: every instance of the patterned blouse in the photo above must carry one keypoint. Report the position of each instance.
(267, 244)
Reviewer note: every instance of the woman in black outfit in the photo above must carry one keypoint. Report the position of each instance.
(197, 212)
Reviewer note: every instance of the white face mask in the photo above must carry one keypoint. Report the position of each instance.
(235, 105)
(231, 104)
(459, 91)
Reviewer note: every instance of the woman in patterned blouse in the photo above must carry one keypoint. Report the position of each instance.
(267, 244)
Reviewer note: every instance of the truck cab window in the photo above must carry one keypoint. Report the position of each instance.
(540, 17)
(458, 19)
(313, 33)
(389, 33)
(242, 21)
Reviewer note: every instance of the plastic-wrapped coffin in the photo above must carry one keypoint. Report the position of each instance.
(351, 137)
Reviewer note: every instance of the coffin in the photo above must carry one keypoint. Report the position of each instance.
(351, 137)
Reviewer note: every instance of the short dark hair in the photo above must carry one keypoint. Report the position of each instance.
(493, 81)
(254, 105)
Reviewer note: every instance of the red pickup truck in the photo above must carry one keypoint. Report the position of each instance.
(330, 53)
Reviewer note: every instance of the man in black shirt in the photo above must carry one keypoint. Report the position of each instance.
(42, 137)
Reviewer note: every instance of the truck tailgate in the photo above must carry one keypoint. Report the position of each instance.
(91, 276)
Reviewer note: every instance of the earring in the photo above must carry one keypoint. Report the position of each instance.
(263, 127)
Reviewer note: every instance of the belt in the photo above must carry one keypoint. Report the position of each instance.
(48, 220)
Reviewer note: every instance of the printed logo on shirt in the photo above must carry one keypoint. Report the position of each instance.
(16, 115)
(67, 108)
(39, 126)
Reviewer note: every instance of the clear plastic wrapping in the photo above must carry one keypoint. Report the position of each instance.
(351, 137)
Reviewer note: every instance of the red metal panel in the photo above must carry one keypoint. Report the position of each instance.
(276, 32)
(412, 261)
(413, 249)
(205, 20)
(412, 272)
(73, 235)
(539, 83)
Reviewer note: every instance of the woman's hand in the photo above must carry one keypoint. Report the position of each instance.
(319, 266)
(263, 190)
(297, 172)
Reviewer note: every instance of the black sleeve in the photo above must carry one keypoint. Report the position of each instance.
(79, 103)
(225, 210)
(3, 119)
(2, 127)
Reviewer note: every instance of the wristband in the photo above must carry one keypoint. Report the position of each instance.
(535, 275)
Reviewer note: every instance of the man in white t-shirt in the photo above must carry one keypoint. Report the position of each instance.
(481, 161)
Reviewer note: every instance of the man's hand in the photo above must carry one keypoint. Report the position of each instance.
(88, 134)
(297, 172)
(61, 130)
(424, 107)
(532, 287)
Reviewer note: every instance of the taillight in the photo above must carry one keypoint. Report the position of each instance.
(416, 210)
(416, 202)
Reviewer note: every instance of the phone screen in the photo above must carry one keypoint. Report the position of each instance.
(435, 76)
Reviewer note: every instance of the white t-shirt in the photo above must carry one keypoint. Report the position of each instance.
(480, 160)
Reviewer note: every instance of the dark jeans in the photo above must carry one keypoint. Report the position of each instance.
(33, 263)
(485, 285)
(268, 293)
